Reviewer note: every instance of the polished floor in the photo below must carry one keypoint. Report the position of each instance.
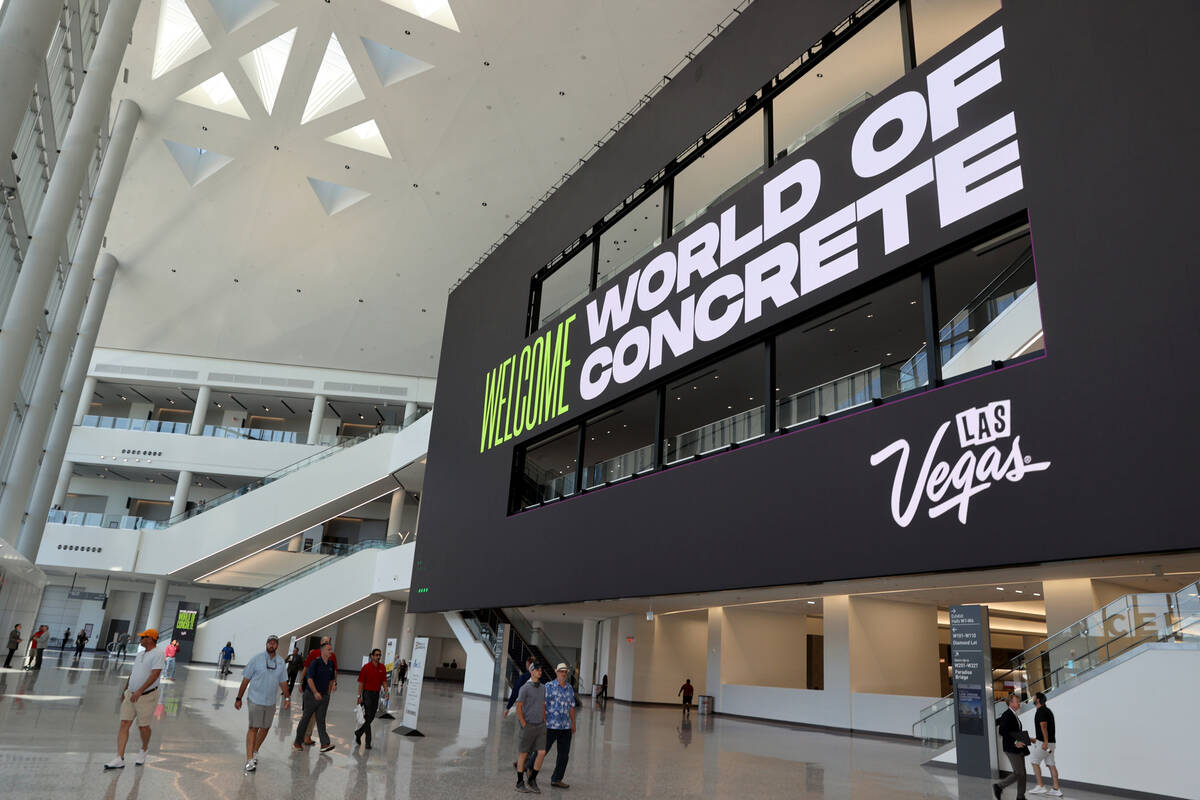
(57, 728)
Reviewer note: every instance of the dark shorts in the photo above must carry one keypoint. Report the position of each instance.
(687, 699)
(533, 737)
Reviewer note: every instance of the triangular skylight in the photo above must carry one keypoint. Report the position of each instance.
(390, 64)
(236, 13)
(433, 10)
(264, 67)
(335, 86)
(196, 163)
(179, 37)
(334, 197)
(365, 137)
(217, 95)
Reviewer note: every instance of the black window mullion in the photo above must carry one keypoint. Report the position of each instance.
(769, 132)
(770, 423)
(908, 42)
(660, 427)
(579, 458)
(933, 351)
(595, 264)
(668, 207)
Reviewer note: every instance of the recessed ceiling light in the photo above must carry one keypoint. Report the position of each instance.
(812, 602)
(1018, 591)
(1039, 594)
(999, 588)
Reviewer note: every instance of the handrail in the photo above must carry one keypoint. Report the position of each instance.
(370, 544)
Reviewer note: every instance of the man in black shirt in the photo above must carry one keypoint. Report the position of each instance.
(1043, 750)
(1015, 748)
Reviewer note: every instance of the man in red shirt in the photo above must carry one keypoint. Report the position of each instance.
(370, 682)
(313, 655)
(37, 646)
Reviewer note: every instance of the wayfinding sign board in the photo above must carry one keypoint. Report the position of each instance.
(412, 697)
(974, 709)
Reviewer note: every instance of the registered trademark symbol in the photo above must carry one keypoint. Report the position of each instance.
(1028, 459)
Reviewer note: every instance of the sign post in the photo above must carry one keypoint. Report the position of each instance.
(187, 615)
(412, 698)
(974, 709)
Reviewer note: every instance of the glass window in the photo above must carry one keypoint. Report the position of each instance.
(870, 348)
(548, 469)
(988, 304)
(634, 235)
(861, 67)
(567, 284)
(620, 442)
(937, 23)
(716, 406)
(725, 168)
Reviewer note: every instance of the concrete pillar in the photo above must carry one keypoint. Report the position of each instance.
(395, 512)
(50, 487)
(587, 657)
(183, 488)
(837, 660)
(203, 398)
(318, 416)
(77, 148)
(408, 632)
(712, 672)
(383, 613)
(158, 601)
(295, 543)
(25, 36)
(89, 383)
(410, 414)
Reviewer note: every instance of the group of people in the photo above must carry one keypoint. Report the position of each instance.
(546, 714)
(38, 643)
(1017, 745)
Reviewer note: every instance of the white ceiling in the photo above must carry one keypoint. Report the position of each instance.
(212, 252)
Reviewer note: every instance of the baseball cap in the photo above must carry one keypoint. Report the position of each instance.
(272, 636)
(151, 632)
(560, 668)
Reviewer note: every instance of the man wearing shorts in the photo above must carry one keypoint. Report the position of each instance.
(139, 697)
(262, 677)
(531, 714)
(1043, 748)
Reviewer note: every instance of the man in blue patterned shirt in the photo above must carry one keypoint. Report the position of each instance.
(560, 722)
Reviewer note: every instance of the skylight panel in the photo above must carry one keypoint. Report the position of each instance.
(365, 137)
(436, 11)
(264, 67)
(335, 86)
(196, 163)
(334, 197)
(390, 64)
(236, 13)
(216, 94)
(179, 37)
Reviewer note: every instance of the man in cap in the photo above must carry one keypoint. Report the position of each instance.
(560, 722)
(139, 697)
(531, 714)
(262, 677)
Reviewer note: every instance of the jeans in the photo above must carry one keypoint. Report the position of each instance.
(563, 739)
(169, 672)
(313, 709)
(1016, 762)
(292, 681)
(37, 659)
(8, 661)
(370, 708)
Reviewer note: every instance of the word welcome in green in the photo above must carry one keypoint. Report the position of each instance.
(526, 389)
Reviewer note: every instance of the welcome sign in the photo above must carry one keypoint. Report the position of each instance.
(877, 190)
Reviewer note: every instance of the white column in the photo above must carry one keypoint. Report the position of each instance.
(203, 397)
(712, 671)
(183, 487)
(587, 657)
(395, 513)
(51, 488)
(410, 413)
(318, 416)
(25, 37)
(24, 312)
(836, 627)
(158, 601)
(382, 617)
(89, 383)
(408, 632)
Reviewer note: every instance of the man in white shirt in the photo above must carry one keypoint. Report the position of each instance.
(263, 676)
(139, 697)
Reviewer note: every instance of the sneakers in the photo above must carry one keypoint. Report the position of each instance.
(140, 758)
(560, 785)
(533, 787)
(1054, 792)
(116, 763)
(358, 737)
(521, 787)
(1037, 790)
(325, 748)
(252, 765)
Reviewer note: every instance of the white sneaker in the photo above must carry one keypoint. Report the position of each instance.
(1054, 792)
(116, 763)
(140, 758)
(252, 765)
(1037, 790)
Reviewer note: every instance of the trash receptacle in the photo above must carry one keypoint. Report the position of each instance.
(705, 705)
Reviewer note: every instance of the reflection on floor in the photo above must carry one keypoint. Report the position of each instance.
(58, 726)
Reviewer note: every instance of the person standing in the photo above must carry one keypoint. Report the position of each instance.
(81, 641)
(319, 681)
(315, 655)
(262, 676)
(37, 646)
(686, 691)
(370, 682)
(139, 697)
(66, 638)
(14, 641)
(531, 714)
(604, 687)
(295, 663)
(1043, 750)
(226, 658)
(402, 674)
(560, 723)
(1015, 742)
(522, 679)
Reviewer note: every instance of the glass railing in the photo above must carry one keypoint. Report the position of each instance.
(233, 432)
(828, 122)
(129, 424)
(1065, 657)
(734, 429)
(537, 640)
(90, 519)
(336, 553)
(257, 434)
(986, 307)
(840, 394)
(616, 468)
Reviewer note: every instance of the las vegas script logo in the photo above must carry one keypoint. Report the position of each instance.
(950, 487)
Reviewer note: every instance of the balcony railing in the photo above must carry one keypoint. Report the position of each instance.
(90, 519)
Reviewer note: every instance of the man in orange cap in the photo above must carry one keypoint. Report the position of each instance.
(139, 697)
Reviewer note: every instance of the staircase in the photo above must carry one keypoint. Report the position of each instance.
(523, 643)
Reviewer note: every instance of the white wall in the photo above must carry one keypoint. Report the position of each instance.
(471, 655)
(21, 594)
(893, 648)
(764, 648)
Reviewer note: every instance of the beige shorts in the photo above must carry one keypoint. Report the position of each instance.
(142, 710)
(260, 716)
(1041, 756)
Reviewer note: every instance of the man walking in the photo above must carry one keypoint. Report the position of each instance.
(315, 655)
(262, 677)
(370, 683)
(560, 723)
(531, 714)
(319, 681)
(1043, 750)
(14, 641)
(686, 691)
(81, 642)
(226, 659)
(522, 679)
(139, 698)
(1016, 748)
(66, 638)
